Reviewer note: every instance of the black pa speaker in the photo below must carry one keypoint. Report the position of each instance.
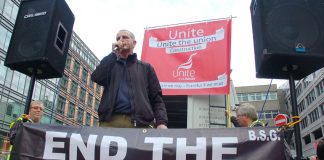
(40, 38)
(288, 37)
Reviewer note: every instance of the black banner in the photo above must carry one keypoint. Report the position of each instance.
(38, 141)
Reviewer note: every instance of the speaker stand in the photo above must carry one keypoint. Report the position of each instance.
(299, 151)
(30, 90)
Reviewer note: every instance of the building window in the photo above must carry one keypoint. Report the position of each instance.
(299, 90)
(74, 89)
(5, 36)
(264, 96)
(304, 123)
(63, 83)
(322, 108)
(37, 90)
(21, 83)
(310, 97)
(60, 105)
(313, 116)
(58, 122)
(320, 87)
(91, 84)
(301, 106)
(252, 97)
(318, 133)
(84, 75)
(248, 97)
(10, 11)
(90, 100)
(88, 118)
(68, 62)
(14, 109)
(1, 8)
(17, 109)
(8, 78)
(76, 68)
(272, 96)
(307, 139)
(9, 110)
(80, 115)
(258, 97)
(98, 89)
(3, 71)
(308, 80)
(95, 122)
(96, 105)
(242, 97)
(48, 104)
(46, 119)
(71, 110)
(82, 95)
(268, 114)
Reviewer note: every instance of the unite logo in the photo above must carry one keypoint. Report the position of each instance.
(184, 71)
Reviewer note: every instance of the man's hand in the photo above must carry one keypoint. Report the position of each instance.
(119, 50)
(24, 117)
(116, 46)
(162, 126)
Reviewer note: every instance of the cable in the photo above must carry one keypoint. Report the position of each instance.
(265, 99)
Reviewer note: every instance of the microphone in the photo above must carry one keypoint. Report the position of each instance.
(116, 46)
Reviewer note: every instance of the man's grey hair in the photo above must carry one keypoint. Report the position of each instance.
(248, 110)
(40, 103)
(131, 34)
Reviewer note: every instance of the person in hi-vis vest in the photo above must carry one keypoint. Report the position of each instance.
(246, 116)
(36, 111)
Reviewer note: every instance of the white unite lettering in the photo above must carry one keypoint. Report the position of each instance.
(189, 33)
(184, 73)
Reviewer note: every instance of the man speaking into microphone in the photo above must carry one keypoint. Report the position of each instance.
(132, 96)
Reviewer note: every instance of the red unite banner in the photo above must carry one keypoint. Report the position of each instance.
(191, 59)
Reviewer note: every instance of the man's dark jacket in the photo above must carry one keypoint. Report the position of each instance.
(145, 92)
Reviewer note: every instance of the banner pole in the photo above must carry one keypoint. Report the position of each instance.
(229, 124)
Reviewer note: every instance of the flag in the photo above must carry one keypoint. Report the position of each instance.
(191, 59)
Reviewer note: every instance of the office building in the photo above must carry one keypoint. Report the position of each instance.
(70, 100)
(310, 107)
(264, 99)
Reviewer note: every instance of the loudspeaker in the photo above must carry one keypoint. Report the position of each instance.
(288, 37)
(40, 38)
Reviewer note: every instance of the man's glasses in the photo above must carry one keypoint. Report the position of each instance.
(37, 107)
(239, 115)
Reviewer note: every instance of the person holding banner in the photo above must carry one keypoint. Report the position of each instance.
(132, 94)
(36, 111)
(246, 116)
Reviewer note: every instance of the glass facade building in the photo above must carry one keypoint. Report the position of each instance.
(70, 100)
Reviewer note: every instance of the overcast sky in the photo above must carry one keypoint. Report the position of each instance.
(98, 21)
